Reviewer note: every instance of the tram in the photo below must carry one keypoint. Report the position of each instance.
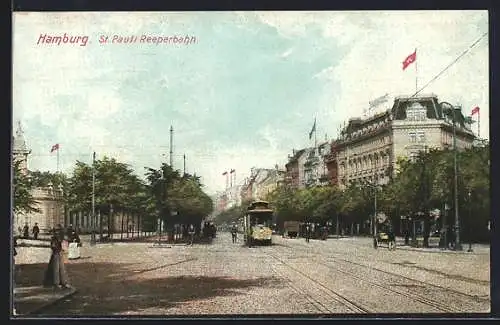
(257, 224)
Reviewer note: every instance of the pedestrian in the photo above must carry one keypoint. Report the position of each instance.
(213, 230)
(56, 275)
(234, 234)
(26, 231)
(74, 246)
(191, 234)
(324, 233)
(308, 232)
(14, 254)
(69, 230)
(36, 231)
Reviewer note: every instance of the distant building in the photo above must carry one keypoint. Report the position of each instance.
(368, 149)
(308, 167)
(20, 150)
(315, 165)
(49, 200)
(261, 183)
(292, 175)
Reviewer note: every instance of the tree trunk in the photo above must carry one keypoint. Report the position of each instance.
(110, 222)
(427, 230)
(128, 220)
(100, 224)
(133, 224)
(121, 230)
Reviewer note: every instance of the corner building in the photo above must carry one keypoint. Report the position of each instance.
(367, 149)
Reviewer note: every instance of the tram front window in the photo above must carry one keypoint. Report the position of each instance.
(264, 220)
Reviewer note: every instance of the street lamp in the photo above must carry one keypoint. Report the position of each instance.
(470, 215)
(458, 245)
(92, 238)
(374, 187)
(445, 226)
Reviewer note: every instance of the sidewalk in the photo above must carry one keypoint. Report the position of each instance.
(30, 300)
(477, 249)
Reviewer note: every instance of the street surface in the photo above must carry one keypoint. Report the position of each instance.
(290, 277)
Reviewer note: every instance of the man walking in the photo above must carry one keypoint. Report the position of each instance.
(308, 232)
(36, 231)
(26, 231)
(191, 234)
(234, 233)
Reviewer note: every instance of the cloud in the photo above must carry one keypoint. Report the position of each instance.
(287, 53)
(243, 96)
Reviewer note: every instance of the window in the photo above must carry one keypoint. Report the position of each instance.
(413, 156)
(416, 112)
(421, 136)
(413, 137)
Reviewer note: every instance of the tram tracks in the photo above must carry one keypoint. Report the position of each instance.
(326, 294)
(442, 307)
(420, 283)
(405, 287)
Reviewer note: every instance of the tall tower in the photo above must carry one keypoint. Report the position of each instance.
(20, 150)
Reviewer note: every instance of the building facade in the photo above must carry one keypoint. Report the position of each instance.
(292, 174)
(308, 167)
(49, 200)
(315, 166)
(368, 149)
(266, 182)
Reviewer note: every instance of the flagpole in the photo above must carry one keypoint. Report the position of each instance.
(478, 124)
(416, 71)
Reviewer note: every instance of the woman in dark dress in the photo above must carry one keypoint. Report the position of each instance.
(56, 272)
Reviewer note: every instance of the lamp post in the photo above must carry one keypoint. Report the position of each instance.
(458, 245)
(470, 215)
(374, 187)
(445, 226)
(92, 238)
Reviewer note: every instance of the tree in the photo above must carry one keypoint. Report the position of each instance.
(80, 187)
(173, 193)
(285, 202)
(427, 184)
(23, 201)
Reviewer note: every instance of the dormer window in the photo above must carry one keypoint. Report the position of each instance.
(416, 112)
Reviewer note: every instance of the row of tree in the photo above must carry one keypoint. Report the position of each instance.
(415, 190)
(162, 192)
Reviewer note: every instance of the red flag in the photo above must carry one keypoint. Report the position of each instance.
(475, 110)
(410, 59)
(54, 148)
(224, 173)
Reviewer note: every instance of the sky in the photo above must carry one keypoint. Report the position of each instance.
(243, 94)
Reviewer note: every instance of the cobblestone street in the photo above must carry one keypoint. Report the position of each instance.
(290, 277)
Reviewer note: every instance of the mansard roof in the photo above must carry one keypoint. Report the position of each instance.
(429, 102)
(432, 105)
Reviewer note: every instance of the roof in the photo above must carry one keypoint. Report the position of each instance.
(296, 155)
(261, 211)
(19, 143)
(430, 102)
